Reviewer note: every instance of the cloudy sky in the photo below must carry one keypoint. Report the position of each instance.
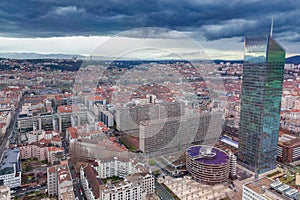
(78, 27)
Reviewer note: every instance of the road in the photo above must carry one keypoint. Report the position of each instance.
(22, 192)
(76, 180)
(162, 192)
(4, 142)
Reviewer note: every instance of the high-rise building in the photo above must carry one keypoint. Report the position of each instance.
(263, 71)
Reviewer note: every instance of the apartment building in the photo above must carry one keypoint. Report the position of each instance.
(59, 181)
(118, 166)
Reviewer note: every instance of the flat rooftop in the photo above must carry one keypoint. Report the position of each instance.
(220, 157)
(256, 186)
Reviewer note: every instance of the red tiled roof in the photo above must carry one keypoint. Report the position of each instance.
(64, 109)
(55, 149)
(56, 138)
(43, 140)
(96, 98)
(73, 132)
(93, 182)
(51, 169)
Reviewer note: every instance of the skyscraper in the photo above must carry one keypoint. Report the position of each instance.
(263, 73)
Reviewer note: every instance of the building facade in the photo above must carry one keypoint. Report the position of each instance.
(208, 166)
(34, 151)
(268, 189)
(90, 183)
(288, 149)
(59, 181)
(262, 81)
(115, 166)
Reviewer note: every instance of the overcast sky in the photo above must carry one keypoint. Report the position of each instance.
(78, 27)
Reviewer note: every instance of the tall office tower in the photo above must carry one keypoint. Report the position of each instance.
(263, 73)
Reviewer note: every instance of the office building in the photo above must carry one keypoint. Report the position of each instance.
(10, 170)
(260, 103)
(107, 118)
(64, 117)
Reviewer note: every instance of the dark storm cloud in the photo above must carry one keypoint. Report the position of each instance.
(211, 19)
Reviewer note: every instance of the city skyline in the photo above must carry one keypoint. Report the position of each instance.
(79, 27)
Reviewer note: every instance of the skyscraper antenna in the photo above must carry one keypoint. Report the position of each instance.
(271, 31)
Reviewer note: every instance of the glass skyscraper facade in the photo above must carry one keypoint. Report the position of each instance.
(263, 72)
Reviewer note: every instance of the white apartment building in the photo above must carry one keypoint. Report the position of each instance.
(133, 187)
(148, 181)
(124, 191)
(35, 136)
(118, 166)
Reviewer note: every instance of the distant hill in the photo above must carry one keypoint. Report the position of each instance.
(39, 56)
(231, 61)
(290, 60)
(293, 60)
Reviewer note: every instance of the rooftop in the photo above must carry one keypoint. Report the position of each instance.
(256, 185)
(94, 182)
(219, 158)
(11, 156)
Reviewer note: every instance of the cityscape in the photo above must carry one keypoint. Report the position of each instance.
(165, 100)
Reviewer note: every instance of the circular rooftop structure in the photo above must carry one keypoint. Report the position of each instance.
(208, 165)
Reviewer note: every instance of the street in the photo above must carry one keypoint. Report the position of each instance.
(4, 141)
